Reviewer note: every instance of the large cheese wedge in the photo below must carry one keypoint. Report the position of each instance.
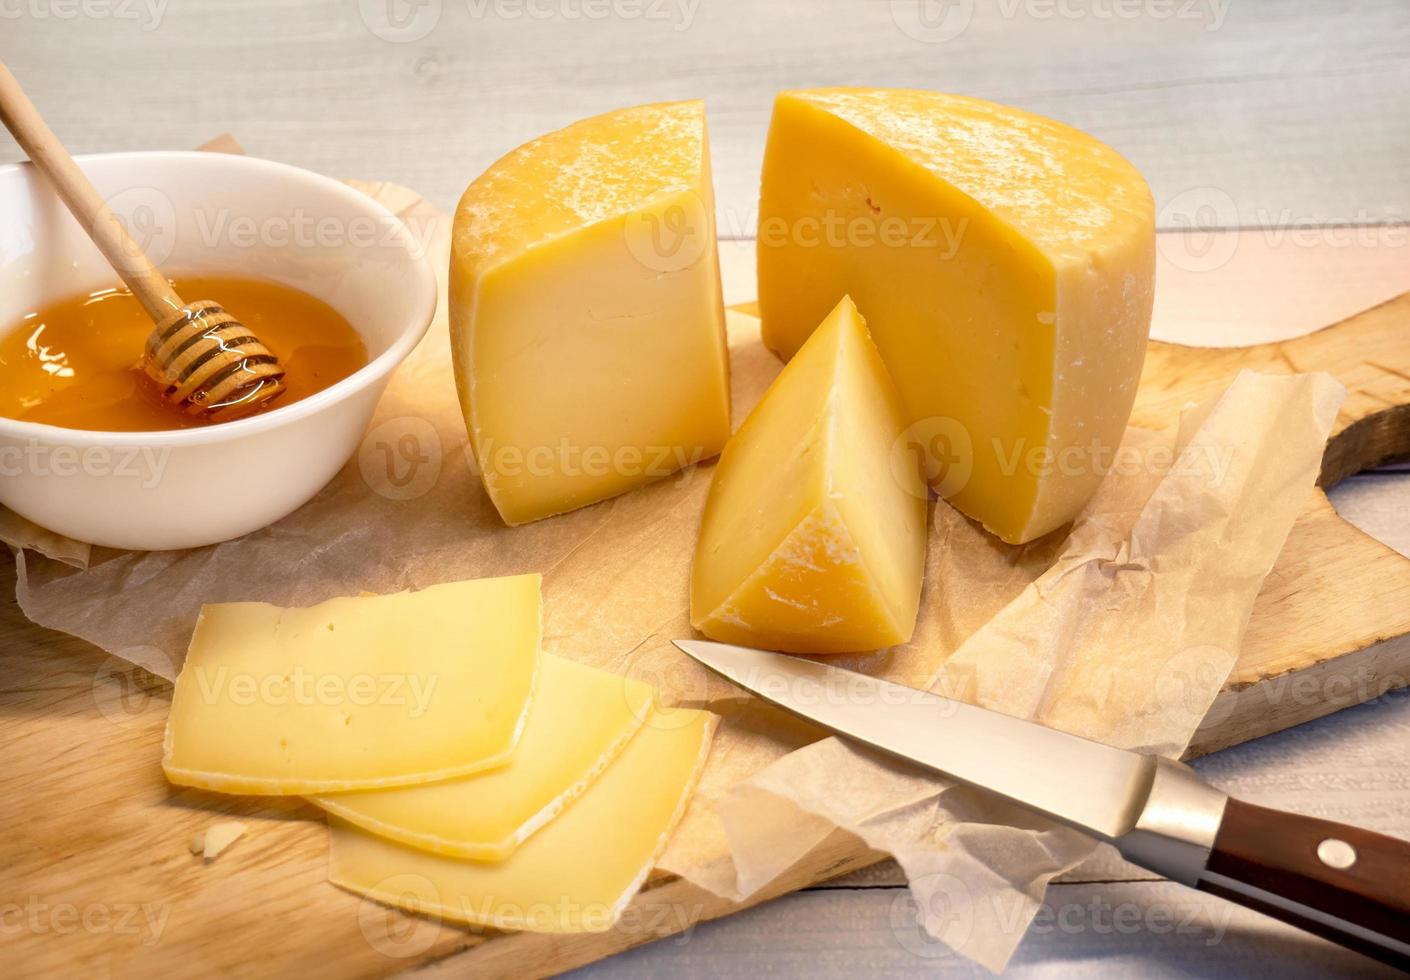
(574, 875)
(580, 719)
(586, 320)
(1004, 263)
(813, 538)
(355, 693)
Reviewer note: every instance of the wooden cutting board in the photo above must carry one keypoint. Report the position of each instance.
(94, 843)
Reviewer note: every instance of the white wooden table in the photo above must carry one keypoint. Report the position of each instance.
(1250, 113)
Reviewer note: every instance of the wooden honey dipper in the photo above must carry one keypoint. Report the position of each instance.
(206, 362)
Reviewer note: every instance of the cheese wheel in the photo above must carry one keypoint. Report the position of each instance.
(586, 319)
(1005, 266)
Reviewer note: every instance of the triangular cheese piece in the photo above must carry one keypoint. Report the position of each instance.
(813, 538)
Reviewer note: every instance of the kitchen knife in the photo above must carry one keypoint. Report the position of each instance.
(1348, 885)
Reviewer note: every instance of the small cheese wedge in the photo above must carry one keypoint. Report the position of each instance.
(586, 319)
(574, 875)
(355, 693)
(1005, 264)
(813, 538)
(580, 720)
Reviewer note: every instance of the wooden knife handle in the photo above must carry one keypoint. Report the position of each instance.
(1348, 885)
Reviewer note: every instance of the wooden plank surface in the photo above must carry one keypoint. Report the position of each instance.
(1294, 112)
(91, 730)
(1350, 766)
(1089, 930)
(1291, 111)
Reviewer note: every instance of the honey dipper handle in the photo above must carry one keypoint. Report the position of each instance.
(23, 121)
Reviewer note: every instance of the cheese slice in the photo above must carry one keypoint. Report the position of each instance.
(574, 875)
(355, 693)
(586, 319)
(1005, 265)
(813, 538)
(580, 720)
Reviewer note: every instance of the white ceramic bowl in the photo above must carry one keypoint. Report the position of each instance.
(208, 213)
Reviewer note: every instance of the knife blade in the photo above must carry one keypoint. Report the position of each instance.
(1344, 883)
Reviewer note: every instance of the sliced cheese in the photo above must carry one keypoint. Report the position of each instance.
(813, 539)
(355, 693)
(1004, 263)
(586, 319)
(574, 875)
(580, 720)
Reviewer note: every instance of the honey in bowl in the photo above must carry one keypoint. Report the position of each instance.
(78, 362)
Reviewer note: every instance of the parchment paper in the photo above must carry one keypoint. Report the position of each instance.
(1126, 638)
(1077, 630)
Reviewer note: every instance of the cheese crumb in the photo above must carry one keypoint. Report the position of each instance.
(211, 842)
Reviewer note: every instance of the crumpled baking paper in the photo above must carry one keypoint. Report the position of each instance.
(1076, 630)
(1125, 638)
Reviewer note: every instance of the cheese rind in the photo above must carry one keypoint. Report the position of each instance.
(813, 537)
(1005, 265)
(581, 718)
(355, 693)
(577, 874)
(587, 325)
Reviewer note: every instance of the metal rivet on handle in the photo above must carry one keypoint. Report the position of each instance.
(1336, 853)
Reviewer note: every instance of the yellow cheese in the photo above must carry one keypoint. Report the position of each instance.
(211, 843)
(1004, 263)
(586, 320)
(574, 875)
(355, 693)
(580, 719)
(813, 539)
